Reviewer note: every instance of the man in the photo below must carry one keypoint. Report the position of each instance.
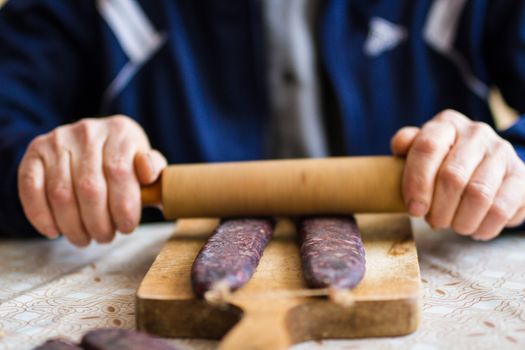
(196, 81)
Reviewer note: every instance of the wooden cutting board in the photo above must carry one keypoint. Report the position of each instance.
(269, 312)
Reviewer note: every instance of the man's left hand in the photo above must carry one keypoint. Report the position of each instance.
(461, 174)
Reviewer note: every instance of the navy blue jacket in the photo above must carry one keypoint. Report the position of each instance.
(193, 72)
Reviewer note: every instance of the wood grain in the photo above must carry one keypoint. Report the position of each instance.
(269, 312)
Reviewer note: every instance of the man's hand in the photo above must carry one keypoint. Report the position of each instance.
(461, 174)
(83, 179)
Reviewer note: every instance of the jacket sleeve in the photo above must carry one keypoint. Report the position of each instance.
(505, 51)
(47, 78)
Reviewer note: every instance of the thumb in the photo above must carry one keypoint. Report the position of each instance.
(148, 166)
(403, 139)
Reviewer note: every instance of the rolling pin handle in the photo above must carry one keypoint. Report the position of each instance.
(151, 195)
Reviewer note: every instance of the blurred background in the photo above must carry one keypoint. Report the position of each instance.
(503, 114)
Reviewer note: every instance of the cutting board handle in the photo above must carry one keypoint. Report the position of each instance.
(262, 327)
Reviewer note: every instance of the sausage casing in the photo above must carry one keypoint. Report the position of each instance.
(231, 254)
(332, 252)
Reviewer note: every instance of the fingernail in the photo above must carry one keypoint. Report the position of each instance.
(126, 227)
(477, 237)
(51, 233)
(417, 208)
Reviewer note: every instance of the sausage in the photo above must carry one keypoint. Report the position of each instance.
(122, 339)
(58, 344)
(332, 252)
(230, 256)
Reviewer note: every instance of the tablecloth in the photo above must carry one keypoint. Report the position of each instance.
(473, 292)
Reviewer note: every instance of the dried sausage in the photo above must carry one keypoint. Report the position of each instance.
(58, 344)
(230, 256)
(332, 252)
(122, 339)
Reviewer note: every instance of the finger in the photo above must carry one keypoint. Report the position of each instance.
(428, 150)
(91, 191)
(454, 175)
(517, 219)
(517, 167)
(149, 165)
(403, 139)
(63, 201)
(506, 204)
(479, 194)
(459, 120)
(123, 185)
(32, 191)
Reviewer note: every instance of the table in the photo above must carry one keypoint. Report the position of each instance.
(474, 292)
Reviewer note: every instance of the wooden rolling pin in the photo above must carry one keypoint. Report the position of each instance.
(279, 187)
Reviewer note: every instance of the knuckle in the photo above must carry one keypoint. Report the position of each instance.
(453, 176)
(85, 130)
(449, 115)
(432, 124)
(425, 145)
(91, 188)
(481, 128)
(60, 194)
(56, 140)
(479, 192)
(120, 121)
(117, 169)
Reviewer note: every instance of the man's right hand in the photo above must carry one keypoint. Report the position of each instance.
(83, 179)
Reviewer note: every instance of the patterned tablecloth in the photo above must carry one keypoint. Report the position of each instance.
(474, 292)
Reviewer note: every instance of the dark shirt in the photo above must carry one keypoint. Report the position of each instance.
(192, 73)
